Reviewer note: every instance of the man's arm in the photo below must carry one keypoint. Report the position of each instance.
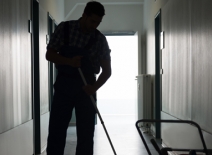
(53, 56)
(104, 76)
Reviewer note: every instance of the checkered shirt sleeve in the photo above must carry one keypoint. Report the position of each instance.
(57, 38)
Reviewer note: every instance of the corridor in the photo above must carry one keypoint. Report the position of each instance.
(123, 134)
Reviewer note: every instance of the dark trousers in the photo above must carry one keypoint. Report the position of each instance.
(69, 95)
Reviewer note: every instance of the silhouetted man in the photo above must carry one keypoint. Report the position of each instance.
(75, 44)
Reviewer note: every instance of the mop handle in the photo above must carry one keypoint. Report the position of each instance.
(94, 104)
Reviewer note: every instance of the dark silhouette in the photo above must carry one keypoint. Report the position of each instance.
(74, 44)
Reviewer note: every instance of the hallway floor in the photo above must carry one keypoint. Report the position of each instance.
(123, 134)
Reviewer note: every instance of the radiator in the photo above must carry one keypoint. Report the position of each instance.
(144, 105)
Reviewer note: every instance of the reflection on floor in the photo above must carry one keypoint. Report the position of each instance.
(123, 133)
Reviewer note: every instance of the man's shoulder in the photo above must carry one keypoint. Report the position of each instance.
(99, 35)
(70, 22)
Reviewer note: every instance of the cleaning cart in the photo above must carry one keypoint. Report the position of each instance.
(165, 150)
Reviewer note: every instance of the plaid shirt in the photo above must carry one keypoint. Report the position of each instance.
(99, 50)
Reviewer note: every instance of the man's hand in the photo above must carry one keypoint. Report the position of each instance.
(76, 61)
(53, 56)
(89, 89)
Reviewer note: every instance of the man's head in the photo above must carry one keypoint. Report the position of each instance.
(92, 16)
(94, 7)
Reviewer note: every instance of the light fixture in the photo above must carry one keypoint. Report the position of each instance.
(162, 40)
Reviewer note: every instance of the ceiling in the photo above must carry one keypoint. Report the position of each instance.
(72, 5)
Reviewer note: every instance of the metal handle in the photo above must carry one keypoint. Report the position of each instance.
(94, 104)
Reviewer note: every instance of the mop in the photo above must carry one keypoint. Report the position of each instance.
(94, 104)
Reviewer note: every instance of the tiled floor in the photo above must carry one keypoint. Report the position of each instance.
(123, 133)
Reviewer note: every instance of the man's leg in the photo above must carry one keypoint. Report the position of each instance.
(60, 115)
(85, 119)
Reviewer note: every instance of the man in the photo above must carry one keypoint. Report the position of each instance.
(70, 92)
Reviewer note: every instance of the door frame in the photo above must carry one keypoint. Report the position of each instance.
(50, 64)
(36, 77)
(158, 90)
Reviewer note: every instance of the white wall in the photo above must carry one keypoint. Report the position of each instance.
(200, 85)
(55, 8)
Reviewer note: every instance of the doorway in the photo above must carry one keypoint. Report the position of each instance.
(118, 95)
